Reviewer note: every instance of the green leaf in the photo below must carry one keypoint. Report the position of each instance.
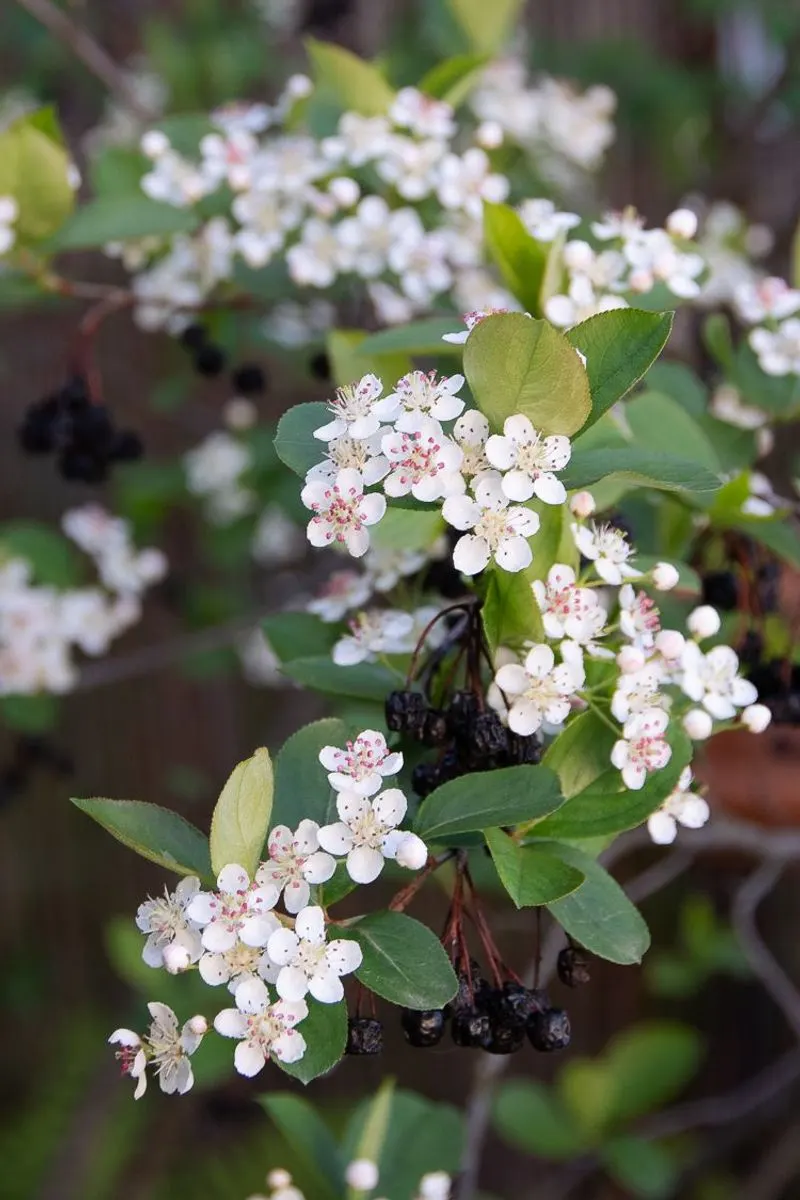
(418, 338)
(520, 258)
(53, 558)
(660, 423)
(325, 1031)
(485, 799)
(453, 79)
(30, 714)
(781, 537)
(530, 875)
(365, 681)
(349, 361)
(549, 543)
(599, 915)
(355, 85)
(644, 467)
(161, 836)
(488, 26)
(34, 170)
(301, 782)
(509, 612)
(718, 340)
(295, 443)
(119, 218)
(619, 346)
(292, 634)
(580, 754)
(516, 364)
(407, 529)
(241, 817)
(606, 806)
(649, 1065)
(376, 1120)
(310, 1138)
(643, 1168)
(531, 1117)
(403, 960)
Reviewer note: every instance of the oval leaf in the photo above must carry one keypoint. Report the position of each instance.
(34, 170)
(156, 833)
(301, 782)
(325, 1031)
(403, 960)
(530, 875)
(241, 816)
(619, 346)
(509, 612)
(364, 681)
(485, 799)
(118, 218)
(531, 1116)
(295, 443)
(520, 258)
(648, 468)
(355, 85)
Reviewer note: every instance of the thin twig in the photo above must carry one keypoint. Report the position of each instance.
(775, 980)
(81, 43)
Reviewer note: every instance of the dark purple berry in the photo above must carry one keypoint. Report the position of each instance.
(364, 1036)
(423, 1029)
(549, 1030)
(82, 468)
(405, 711)
(249, 379)
(523, 1002)
(320, 366)
(210, 361)
(194, 336)
(720, 590)
(523, 750)
(126, 447)
(434, 728)
(462, 713)
(573, 966)
(424, 779)
(471, 1028)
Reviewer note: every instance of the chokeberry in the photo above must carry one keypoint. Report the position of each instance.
(405, 711)
(549, 1030)
(423, 1029)
(523, 749)
(209, 360)
(82, 468)
(471, 1028)
(424, 779)
(523, 1002)
(320, 365)
(462, 713)
(126, 446)
(769, 577)
(720, 590)
(249, 379)
(39, 429)
(364, 1036)
(433, 730)
(573, 966)
(506, 1037)
(194, 336)
(490, 738)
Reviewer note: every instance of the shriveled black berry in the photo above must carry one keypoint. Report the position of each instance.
(38, 432)
(424, 779)
(720, 590)
(523, 750)
(364, 1036)
(320, 365)
(194, 336)
(93, 430)
(507, 1037)
(126, 446)
(74, 395)
(209, 360)
(471, 1028)
(573, 966)
(489, 737)
(423, 1029)
(523, 1002)
(450, 766)
(434, 728)
(549, 1030)
(462, 712)
(249, 379)
(405, 711)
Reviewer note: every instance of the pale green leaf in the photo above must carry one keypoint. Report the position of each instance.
(355, 85)
(599, 915)
(240, 821)
(488, 26)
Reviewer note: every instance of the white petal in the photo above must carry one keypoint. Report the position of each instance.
(513, 554)
(310, 925)
(252, 996)
(297, 893)
(634, 777)
(283, 946)
(471, 553)
(231, 1023)
(203, 908)
(549, 489)
(518, 485)
(256, 930)
(319, 867)
(336, 838)
(218, 938)
(461, 512)
(343, 956)
(289, 1047)
(390, 807)
(372, 508)
(292, 983)
(214, 969)
(357, 542)
(248, 1059)
(662, 828)
(512, 678)
(501, 452)
(539, 661)
(326, 987)
(233, 878)
(524, 717)
(364, 864)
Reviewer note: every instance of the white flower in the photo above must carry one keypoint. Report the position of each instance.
(670, 644)
(568, 610)
(665, 577)
(765, 299)
(361, 1175)
(538, 690)
(529, 460)
(498, 531)
(421, 394)
(317, 259)
(166, 1046)
(727, 405)
(779, 351)
(608, 549)
(697, 724)
(544, 221)
(471, 432)
(638, 691)
(353, 454)
(412, 109)
(354, 411)
(756, 717)
(344, 591)
(642, 748)
(236, 965)
(704, 621)
(358, 140)
(308, 963)
(342, 512)
(237, 912)
(681, 807)
(424, 462)
(295, 861)
(276, 540)
(9, 210)
(638, 617)
(376, 631)
(265, 1030)
(464, 181)
(712, 679)
(386, 566)
(363, 831)
(682, 223)
(435, 1186)
(362, 766)
(165, 922)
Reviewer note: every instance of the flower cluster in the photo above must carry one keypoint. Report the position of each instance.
(362, 1177)
(770, 307)
(41, 626)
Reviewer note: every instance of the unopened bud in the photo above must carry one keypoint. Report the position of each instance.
(279, 1178)
(756, 717)
(489, 134)
(176, 958)
(240, 414)
(154, 143)
(704, 621)
(361, 1174)
(582, 504)
(682, 223)
(665, 577)
(670, 644)
(698, 724)
(298, 86)
(630, 660)
(344, 191)
(412, 852)
(198, 1025)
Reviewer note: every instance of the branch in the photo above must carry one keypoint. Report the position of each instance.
(80, 43)
(775, 980)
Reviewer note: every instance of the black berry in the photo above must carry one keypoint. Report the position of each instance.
(126, 447)
(523, 1002)
(364, 1036)
(405, 711)
(549, 1030)
(194, 336)
(209, 360)
(720, 590)
(434, 728)
(472, 1029)
(424, 779)
(573, 966)
(423, 1029)
(249, 379)
(320, 366)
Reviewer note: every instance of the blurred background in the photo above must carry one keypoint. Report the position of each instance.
(709, 97)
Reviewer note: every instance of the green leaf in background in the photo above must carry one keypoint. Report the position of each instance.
(355, 85)
(644, 467)
(364, 681)
(453, 79)
(416, 338)
(34, 170)
(349, 361)
(118, 218)
(520, 258)
(310, 1138)
(660, 423)
(295, 443)
(373, 1124)
(649, 1065)
(530, 1116)
(516, 364)
(530, 875)
(620, 346)
(54, 559)
(404, 961)
(301, 782)
(488, 26)
(241, 816)
(780, 536)
(292, 634)
(599, 915)
(642, 1168)
(485, 799)
(580, 754)
(509, 613)
(30, 714)
(325, 1031)
(157, 834)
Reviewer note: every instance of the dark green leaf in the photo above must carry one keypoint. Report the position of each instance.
(599, 915)
(403, 960)
(301, 782)
(118, 218)
(365, 681)
(530, 875)
(520, 259)
(325, 1031)
(580, 754)
(619, 346)
(660, 423)
(295, 634)
(644, 467)
(241, 816)
(30, 714)
(643, 1168)
(531, 1117)
(155, 833)
(310, 1138)
(485, 799)
(509, 612)
(295, 443)
(53, 558)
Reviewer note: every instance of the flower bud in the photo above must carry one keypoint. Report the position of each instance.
(698, 724)
(665, 577)
(682, 223)
(361, 1174)
(670, 643)
(176, 959)
(198, 1025)
(582, 504)
(489, 134)
(240, 413)
(641, 280)
(154, 143)
(435, 1186)
(345, 191)
(298, 86)
(630, 659)
(279, 1179)
(756, 717)
(704, 621)
(412, 852)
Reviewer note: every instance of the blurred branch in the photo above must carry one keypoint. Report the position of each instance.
(84, 47)
(775, 980)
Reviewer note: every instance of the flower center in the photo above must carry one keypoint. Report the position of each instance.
(352, 401)
(419, 458)
(368, 831)
(532, 458)
(493, 527)
(341, 512)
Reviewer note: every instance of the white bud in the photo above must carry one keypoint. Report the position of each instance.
(582, 504)
(698, 724)
(489, 134)
(682, 223)
(176, 959)
(298, 86)
(279, 1178)
(704, 621)
(361, 1174)
(670, 643)
(345, 191)
(412, 852)
(435, 1186)
(641, 281)
(240, 413)
(154, 143)
(630, 660)
(665, 577)
(578, 255)
(198, 1025)
(756, 717)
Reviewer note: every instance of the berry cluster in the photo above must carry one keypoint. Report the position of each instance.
(81, 433)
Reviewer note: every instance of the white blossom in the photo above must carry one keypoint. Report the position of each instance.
(353, 411)
(363, 764)
(642, 748)
(264, 1030)
(498, 530)
(363, 832)
(166, 1046)
(713, 680)
(236, 965)
(639, 619)
(568, 610)
(704, 621)
(310, 964)
(681, 807)
(421, 394)
(423, 115)
(343, 591)
(422, 461)
(544, 221)
(238, 911)
(529, 461)
(765, 299)
(464, 181)
(608, 549)
(698, 724)
(779, 350)
(362, 1175)
(665, 577)
(539, 690)
(374, 632)
(346, 453)
(756, 718)
(295, 861)
(166, 923)
(342, 513)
